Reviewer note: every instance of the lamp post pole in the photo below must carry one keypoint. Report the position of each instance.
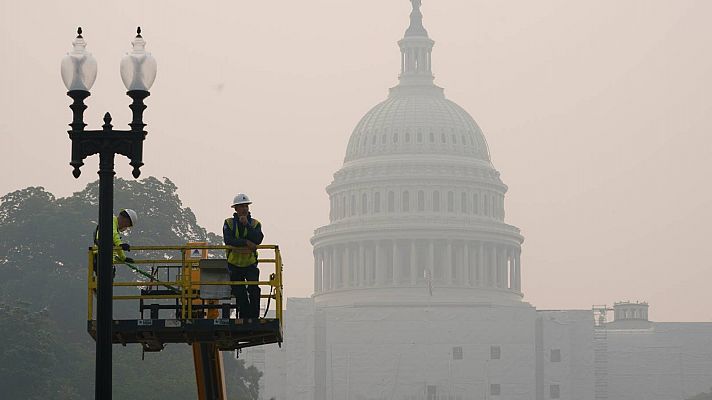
(138, 68)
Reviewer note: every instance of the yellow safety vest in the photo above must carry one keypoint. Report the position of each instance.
(241, 258)
(119, 255)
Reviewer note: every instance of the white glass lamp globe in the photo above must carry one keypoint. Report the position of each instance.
(78, 66)
(138, 68)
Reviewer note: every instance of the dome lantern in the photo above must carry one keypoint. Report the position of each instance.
(416, 48)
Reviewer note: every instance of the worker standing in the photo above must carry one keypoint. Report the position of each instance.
(126, 219)
(241, 230)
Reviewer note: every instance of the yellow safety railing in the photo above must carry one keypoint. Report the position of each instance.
(186, 286)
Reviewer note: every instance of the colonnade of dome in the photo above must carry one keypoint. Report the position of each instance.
(417, 262)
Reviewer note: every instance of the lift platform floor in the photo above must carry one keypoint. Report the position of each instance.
(226, 334)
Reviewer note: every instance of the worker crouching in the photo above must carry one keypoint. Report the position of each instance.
(241, 230)
(126, 219)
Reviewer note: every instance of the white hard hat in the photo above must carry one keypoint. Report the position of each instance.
(241, 198)
(132, 216)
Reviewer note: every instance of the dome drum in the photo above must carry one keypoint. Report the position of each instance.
(439, 265)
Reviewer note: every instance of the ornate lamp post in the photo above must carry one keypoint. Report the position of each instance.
(138, 71)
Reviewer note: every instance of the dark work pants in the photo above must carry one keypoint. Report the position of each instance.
(96, 266)
(248, 297)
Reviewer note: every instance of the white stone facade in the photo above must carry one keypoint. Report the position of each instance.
(564, 349)
(668, 360)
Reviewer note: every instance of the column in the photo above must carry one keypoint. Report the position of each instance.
(498, 264)
(335, 265)
(326, 285)
(512, 269)
(466, 272)
(370, 266)
(431, 260)
(481, 264)
(413, 263)
(492, 265)
(497, 252)
(503, 266)
(447, 271)
(396, 264)
(518, 274)
(345, 269)
(322, 264)
(361, 273)
(317, 271)
(379, 268)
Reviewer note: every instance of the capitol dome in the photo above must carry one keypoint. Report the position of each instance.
(417, 122)
(417, 209)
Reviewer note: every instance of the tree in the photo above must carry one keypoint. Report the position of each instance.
(244, 382)
(43, 270)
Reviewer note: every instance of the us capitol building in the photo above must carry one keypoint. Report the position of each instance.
(417, 281)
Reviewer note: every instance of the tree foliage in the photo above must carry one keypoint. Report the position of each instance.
(43, 270)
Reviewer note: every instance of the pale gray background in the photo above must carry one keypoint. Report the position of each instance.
(597, 115)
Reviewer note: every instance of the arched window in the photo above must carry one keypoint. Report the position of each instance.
(395, 138)
(391, 202)
(487, 205)
(383, 139)
(436, 201)
(343, 206)
(364, 204)
(450, 202)
(443, 138)
(377, 202)
(421, 200)
(432, 137)
(406, 202)
(407, 137)
(463, 203)
(353, 205)
(420, 137)
(476, 204)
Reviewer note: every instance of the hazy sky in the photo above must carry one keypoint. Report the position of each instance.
(597, 114)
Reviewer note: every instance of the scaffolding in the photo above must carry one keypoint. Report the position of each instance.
(184, 295)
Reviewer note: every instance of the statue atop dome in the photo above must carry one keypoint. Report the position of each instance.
(416, 21)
